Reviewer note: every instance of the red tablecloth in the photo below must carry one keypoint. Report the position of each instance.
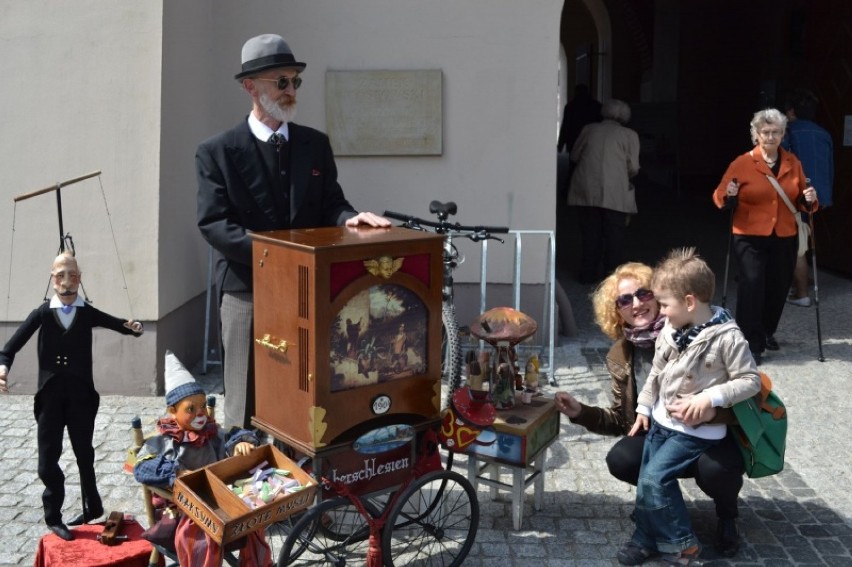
(86, 550)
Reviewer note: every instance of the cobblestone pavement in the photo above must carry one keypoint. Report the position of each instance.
(802, 516)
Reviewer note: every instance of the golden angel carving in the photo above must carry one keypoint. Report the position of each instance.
(383, 266)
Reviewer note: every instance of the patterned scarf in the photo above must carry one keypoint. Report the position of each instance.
(168, 427)
(683, 337)
(645, 337)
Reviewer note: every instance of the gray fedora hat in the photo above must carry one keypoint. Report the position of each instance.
(267, 51)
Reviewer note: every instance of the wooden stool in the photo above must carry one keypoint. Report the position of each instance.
(523, 435)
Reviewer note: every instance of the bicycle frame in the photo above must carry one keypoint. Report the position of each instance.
(451, 354)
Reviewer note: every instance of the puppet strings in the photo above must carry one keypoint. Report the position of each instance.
(9, 281)
(12, 252)
(115, 246)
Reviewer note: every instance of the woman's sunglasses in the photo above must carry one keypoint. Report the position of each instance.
(625, 300)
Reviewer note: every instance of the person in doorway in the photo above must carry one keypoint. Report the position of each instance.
(66, 396)
(813, 146)
(627, 312)
(701, 362)
(580, 111)
(266, 173)
(606, 155)
(765, 233)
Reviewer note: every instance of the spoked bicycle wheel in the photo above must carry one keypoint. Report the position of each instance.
(433, 522)
(331, 533)
(277, 533)
(451, 352)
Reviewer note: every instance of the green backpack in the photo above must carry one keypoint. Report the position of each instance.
(762, 431)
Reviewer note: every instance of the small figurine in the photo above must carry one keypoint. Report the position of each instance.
(189, 440)
(477, 371)
(503, 387)
(66, 395)
(531, 374)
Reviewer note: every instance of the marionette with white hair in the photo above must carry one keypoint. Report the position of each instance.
(66, 396)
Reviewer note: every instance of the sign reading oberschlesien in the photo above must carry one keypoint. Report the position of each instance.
(384, 113)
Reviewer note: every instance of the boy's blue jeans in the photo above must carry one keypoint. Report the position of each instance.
(662, 520)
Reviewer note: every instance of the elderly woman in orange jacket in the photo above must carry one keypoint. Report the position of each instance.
(765, 235)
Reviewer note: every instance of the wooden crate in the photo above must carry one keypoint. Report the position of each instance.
(347, 325)
(204, 496)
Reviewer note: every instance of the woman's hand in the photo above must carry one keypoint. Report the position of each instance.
(732, 189)
(567, 404)
(810, 195)
(4, 386)
(641, 424)
(693, 410)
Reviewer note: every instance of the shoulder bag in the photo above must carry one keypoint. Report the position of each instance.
(804, 232)
(761, 431)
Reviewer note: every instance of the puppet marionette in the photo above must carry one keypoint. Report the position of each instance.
(66, 394)
(189, 440)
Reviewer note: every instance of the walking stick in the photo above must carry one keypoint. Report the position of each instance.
(816, 282)
(730, 203)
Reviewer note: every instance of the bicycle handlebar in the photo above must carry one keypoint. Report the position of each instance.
(446, 225)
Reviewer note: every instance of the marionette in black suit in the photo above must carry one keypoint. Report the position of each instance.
(66, 394)
(266, 173)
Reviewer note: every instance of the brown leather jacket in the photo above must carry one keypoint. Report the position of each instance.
(619, 417)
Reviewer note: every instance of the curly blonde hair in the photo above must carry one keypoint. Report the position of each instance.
(603, 298)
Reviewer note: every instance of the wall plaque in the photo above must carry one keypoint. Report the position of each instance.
(384, 113)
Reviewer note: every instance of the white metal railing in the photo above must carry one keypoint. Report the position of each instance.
(209, 300)
(547, 323)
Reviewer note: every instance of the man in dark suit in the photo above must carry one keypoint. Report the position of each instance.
(266, 173)
(66, 394)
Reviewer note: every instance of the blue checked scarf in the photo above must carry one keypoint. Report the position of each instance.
(684, 337)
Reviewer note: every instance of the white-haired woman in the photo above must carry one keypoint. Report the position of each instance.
(606, 156)
(764, 230)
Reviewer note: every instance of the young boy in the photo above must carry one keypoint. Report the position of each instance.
(701, 362)
(189, 440)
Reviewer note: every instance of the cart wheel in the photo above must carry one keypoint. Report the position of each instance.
(433, 522)
(331, 533)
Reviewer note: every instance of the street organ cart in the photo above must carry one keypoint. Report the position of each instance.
(347, 325)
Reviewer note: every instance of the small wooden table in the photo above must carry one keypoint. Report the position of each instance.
(521, 437)
(85, 549)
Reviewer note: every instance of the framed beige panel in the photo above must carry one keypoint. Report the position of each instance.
(384, 113)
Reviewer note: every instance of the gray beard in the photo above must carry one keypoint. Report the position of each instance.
(276, 111)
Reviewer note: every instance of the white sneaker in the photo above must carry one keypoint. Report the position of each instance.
(800, 301)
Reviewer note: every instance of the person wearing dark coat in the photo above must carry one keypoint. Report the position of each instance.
(580, 110)
(266, 173)
(66, 395)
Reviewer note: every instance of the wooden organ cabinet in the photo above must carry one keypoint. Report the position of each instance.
(347, 325)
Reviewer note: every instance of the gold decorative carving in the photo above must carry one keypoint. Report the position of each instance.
(317, 425)
(383, 266)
